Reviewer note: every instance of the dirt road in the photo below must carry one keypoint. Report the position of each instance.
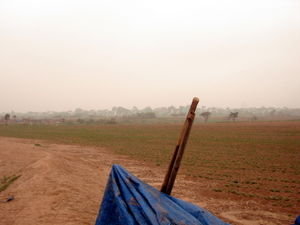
(63, 185)
(59, 184)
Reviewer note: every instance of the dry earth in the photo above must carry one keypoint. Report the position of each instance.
(63, 185)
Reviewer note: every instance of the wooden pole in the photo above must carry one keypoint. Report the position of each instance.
(179, 150)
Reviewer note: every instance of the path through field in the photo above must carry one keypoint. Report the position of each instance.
(63, 185)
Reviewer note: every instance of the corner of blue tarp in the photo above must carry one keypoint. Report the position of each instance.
(297, 221)
(129, 201)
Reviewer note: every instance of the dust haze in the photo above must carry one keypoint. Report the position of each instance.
(91, 55)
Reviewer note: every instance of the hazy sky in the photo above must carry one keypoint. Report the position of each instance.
(95, 54)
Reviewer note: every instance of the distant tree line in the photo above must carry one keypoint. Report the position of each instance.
(206, 113)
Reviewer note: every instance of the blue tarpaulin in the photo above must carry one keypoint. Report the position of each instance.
(297, 221)
(129, 201)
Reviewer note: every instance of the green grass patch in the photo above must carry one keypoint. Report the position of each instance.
(6, 181)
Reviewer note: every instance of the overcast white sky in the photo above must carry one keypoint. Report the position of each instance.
(95, 54)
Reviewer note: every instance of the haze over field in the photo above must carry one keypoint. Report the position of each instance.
(61, 55)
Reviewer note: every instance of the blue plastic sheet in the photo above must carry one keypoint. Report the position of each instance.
(297, 221)
(129, 201)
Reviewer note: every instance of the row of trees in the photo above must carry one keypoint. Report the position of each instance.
(148, 112)
(7, 117)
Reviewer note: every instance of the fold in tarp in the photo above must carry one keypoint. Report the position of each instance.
(129, 201)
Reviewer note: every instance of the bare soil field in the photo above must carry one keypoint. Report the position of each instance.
(63, 184)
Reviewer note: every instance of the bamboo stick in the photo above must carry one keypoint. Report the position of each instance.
(179, 150)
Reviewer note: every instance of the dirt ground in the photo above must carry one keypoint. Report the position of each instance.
(64, 184)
